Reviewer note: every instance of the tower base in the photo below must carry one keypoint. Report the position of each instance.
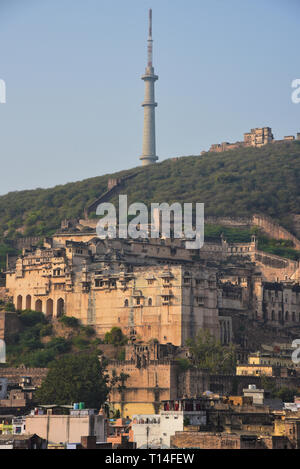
(147, 160)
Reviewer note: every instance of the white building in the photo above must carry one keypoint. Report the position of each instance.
(156, 430)
(258, 395)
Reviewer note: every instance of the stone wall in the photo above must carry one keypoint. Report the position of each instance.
(296, 224)
(205, 440)
(4, 295)
(145, 387)
(14, 375)
(239, 222)
(28, 241)
(274, 268)
(266, 223)
(273, 229)
(9, 324)
(194, 382)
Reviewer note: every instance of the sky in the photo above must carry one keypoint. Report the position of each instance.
(72, 71)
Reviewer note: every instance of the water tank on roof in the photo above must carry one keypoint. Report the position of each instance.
(81, 405)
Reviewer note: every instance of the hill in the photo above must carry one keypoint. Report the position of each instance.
(233, 183)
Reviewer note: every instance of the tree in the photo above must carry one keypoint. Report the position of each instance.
(286, 394)
(74, 378)
(207, 352)
(115, 337)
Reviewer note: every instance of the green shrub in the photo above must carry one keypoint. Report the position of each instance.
(121, 355)
(30, 318)
(46, 330)
(89, 331)
(97, 341)
(58, 345)
(115, 337)
(80, 342)
(29, 339)
(183, 363)
(69, 321)
(39, 358)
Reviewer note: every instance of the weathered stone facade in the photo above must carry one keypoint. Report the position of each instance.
(104, 287)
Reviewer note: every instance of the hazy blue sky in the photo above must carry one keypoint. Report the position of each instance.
(72, 70)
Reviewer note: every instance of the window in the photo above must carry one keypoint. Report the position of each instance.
(199, 300)
(126, 303)
(199, 281)
(150, 302)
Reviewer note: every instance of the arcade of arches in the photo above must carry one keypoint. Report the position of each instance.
(49, 307)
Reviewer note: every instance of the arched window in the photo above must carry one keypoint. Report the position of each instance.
(286, 315)
(19, 302)
(39, 306)
(28, 302)
(273, 315)
(49, 307)
(126, 303)
(60, 307)
(150, 302)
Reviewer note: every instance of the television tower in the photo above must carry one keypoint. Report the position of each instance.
(149, 105)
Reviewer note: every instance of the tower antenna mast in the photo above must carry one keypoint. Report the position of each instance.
(150, 41)
(149, 145)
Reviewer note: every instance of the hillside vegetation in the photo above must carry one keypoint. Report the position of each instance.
(39, 340)
(233, 183)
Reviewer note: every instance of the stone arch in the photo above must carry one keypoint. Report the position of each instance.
(49, 307)
(280, 317)
(287, 317)
(19, 301)
(60, 307)
(28, 302)
(273, 315)
(39, 306)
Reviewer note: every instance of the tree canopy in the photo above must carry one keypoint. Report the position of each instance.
(115, 337)
(208, 353)
(74, 378)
